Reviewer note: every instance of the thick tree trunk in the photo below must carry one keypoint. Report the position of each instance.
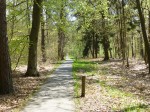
(61, 39)
(106, 48)
(61, 35)
(142, 20)
(6, 85)
(33, 40)
(105, 41)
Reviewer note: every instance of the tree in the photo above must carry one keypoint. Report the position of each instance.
(105, 40)
(33, 40)
(43, 50)
(6, 85)
(149, 23)
(61, 33)
(145, 37)
(91, 40)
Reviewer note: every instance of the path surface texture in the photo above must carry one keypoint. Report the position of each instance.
(56, 95)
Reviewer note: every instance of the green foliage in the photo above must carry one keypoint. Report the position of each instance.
(83, 66)
(89, 37)
(18, 49)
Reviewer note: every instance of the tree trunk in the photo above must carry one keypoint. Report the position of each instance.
(132, 46)
(149, 24)
(43, 38)
(61, 38)
(33, 40)
(142, 20)
(93, 44)
(118, 47)
(141, 47)
(110, 52)
(106, 48)
(6, 85)
(61, 35)
(123, 31)
(96, 46)
(105, 41)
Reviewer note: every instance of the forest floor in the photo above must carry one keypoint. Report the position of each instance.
(112, 87)
(24, 87)
(109, 86)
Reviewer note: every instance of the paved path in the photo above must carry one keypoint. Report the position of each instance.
(56, 95)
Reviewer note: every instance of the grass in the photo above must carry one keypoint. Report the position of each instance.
(122, 101)
(81, 67)
(113, 97)
(76, 67)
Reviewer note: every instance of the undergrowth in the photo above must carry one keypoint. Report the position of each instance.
(116, 99)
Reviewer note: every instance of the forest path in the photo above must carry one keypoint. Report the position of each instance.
(56, 95)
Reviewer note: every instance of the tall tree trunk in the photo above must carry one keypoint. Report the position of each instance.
(125, 47)
(123, 31)
(142, 20)
(93, 44)
(33, 40)
(47, 27)
(43, 38)
(105, 41)
(141, 47)
(119, 34)
(6, 85)
(61, 39)
(96, 46)
(132, 45)
(149, 23)
(61, 34)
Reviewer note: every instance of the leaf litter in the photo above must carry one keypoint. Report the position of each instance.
(24, 87)
(116, 88)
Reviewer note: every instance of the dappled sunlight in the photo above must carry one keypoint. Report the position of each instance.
(41, 68)
(57, 91)
(23, 88)
(139, 67)
(114, 87)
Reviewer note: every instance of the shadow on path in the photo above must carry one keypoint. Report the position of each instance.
(56, 95)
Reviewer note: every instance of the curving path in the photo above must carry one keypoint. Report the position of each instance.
(56, 95)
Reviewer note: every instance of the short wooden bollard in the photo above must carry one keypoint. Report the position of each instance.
(83, 86)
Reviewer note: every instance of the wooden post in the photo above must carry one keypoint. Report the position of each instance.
(83, 87)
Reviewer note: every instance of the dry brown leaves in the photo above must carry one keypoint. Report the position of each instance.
(134, 80)
(24, 87)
